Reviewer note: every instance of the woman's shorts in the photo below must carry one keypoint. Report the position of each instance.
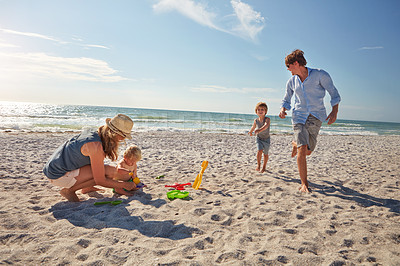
(307, 134)
(263, 145)
(67, 180)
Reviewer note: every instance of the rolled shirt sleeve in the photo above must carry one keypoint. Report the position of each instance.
(286, 102)
(327, 83)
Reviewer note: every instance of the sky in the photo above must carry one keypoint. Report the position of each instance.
(200, 55)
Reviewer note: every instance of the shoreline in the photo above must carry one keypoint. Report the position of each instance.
(178, 131)
(239, 216)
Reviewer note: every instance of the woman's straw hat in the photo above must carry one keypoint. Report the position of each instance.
(121, 124)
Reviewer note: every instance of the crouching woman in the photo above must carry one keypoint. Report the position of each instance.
(79, 162)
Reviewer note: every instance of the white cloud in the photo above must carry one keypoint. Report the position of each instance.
(30, 34)
(260, 58)
(95, 46)
(258, 90)
(251, 22)
(41, 65)
(245, 22)
(7, 45)
(371, 48)
(49, 38)
(221, 89)
(188, 8)
(214, 89)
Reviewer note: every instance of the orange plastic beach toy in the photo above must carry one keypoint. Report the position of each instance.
(197, 181)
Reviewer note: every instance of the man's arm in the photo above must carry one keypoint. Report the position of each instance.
(283, 113)
(286, 102)
(327, 83)
(333, 115)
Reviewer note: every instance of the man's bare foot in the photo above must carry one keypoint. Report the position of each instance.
(90, 189)
(304, 188)
(69, 195)
(294, 150)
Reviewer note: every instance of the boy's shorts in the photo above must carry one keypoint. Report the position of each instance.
(67, 180)
(307, 134)
(263, 145)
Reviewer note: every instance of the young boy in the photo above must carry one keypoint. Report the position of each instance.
(128, 163)
(263, 139)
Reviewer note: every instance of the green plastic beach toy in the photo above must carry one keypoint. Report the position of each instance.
(114, 202)
(177, 194)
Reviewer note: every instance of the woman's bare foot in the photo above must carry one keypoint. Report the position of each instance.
(69, 195)
(90, 189)
(294, 150)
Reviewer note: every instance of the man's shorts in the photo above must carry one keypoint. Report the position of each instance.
(263, 145)
(67, 180)
(307, 134)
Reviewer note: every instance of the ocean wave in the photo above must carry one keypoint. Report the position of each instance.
(32, 117)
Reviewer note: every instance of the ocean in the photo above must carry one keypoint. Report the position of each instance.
(36, 117)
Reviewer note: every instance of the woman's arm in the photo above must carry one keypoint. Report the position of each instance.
(95, 151)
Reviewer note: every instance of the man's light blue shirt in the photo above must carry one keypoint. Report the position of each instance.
(309, 95)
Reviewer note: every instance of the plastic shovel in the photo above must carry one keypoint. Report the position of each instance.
(114, 202)
(177, 186)
(197, 181)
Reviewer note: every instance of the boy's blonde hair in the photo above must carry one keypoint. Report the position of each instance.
(263, 105)
(133, 151)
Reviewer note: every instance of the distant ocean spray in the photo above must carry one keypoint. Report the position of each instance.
(35, 117)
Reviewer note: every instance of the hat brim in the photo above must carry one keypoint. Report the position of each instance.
(116, 130)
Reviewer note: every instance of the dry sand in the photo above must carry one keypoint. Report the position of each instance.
(240, 217)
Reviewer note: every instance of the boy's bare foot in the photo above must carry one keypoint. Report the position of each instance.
(304, 188)
(90, 189)
(294, 150)
(69, 195)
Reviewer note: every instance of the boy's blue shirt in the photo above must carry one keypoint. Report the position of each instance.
(309, 95)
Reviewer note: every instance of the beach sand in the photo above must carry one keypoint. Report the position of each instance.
(239, 217)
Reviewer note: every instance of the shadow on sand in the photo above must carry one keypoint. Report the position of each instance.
(86, 214)
(336, 189)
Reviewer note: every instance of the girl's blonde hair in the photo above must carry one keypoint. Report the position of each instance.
(109, 141)
(133, 151)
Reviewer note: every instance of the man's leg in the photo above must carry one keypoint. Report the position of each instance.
(294, 149)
